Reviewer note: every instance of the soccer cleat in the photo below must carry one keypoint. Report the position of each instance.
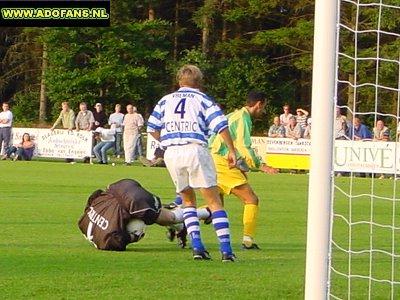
(170, 206)
(170, 234)
(209, 219)
(201, 255)
(181, 237)
(252, 246)
(228, 257)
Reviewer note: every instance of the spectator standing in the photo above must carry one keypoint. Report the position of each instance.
(361, 131)
(106, 140)
(100, 117)
(293, 130)
(23, 150)
(84, 119)
(66, 117)
(117, 118)
(301, 118)
(381, 132)
(132, 123)
(276, 130)
(6, 118)
(284, 118)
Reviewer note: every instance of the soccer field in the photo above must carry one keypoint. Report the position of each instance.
(44, 255)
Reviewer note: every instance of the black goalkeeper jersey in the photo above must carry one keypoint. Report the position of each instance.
(107, 213)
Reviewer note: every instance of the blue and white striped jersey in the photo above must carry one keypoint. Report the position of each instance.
(186, 116)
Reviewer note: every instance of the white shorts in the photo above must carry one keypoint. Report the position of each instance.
(190, 165)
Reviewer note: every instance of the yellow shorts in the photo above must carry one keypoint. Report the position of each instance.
(227, 178)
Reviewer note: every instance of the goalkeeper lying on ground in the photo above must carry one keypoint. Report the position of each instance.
(117, 216)
(234, 180)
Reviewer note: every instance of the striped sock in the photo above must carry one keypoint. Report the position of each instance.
(193, 227)
(221, 225)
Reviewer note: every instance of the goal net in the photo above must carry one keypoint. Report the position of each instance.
(365, 230)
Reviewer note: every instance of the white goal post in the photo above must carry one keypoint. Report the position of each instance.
(320, 187)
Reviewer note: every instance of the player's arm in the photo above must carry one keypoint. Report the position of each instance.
(243, 144)
(154, 124)
(226, 136)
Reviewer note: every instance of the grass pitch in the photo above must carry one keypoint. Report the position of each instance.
(44, 256)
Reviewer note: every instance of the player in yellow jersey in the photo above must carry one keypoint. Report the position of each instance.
(234, 180)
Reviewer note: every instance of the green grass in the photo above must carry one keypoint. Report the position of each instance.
(43, 254)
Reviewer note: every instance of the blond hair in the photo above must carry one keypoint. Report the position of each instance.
(189, 75)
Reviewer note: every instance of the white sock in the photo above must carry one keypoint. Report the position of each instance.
(203, 213)
(178, 212)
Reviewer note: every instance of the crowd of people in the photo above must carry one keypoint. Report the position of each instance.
(122, 132)
(109, 132)
(299, 126)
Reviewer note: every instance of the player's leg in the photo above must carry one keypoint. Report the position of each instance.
(250, 211)
(220, 221)
(178, 160)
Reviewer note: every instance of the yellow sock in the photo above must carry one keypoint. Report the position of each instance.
(249, 219)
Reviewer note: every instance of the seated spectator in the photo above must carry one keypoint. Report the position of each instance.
(301, 117)
(157, 161)
(307, 131)
(106, 140)
(381, 132)
(23, 151)
(341, 127)
(293, 130)
(284, 118)
(360, 131)
(276, 130)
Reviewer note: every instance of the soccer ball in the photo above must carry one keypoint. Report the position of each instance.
(136, 229)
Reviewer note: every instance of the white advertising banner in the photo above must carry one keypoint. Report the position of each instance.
(59, 143)
(349, 156)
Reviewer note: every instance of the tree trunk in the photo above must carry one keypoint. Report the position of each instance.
(43, 99)
(152, 14)
(176, 27)
(205, 35)
(224, 32)
(350, 97)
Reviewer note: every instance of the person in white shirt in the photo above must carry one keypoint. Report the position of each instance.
(284, 118)
(6, 118)
(106, 138)
(117, 119)
(133, 122)
(181, 121)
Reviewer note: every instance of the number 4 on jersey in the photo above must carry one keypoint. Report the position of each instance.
(180, 108)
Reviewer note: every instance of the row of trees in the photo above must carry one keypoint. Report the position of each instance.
(239, 44)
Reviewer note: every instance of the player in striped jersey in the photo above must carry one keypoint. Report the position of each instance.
(181, 122)
(234, 180)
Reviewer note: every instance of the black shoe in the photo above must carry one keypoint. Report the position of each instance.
(171, 234)
(181, 237)
(127, 164)
(201, 255)
(209, 219)
(253, 246)
(228, 257)
(170, 206)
